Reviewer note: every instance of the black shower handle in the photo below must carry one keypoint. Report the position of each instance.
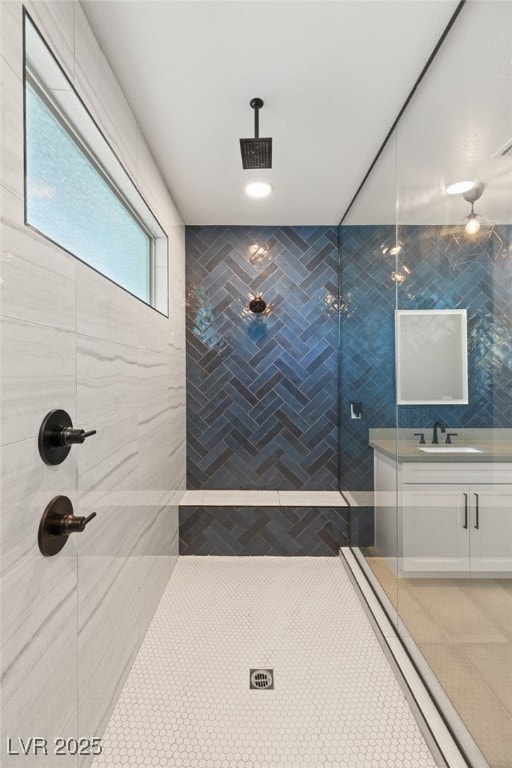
(57, 524)
(57, 434)
(71, 436)
(71, 524)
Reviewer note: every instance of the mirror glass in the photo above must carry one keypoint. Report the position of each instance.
(431, 356)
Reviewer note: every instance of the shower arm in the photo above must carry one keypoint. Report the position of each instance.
(256, 104)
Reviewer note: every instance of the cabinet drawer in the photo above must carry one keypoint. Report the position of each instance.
(456, 472)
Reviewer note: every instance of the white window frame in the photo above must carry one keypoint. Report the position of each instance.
(44, 74)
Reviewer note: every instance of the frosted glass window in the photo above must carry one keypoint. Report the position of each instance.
(70, 201)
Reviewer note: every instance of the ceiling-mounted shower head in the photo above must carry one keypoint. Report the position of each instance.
(256, 153)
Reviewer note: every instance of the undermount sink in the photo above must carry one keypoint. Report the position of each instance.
(449, 449)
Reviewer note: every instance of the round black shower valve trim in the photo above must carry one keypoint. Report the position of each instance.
(57, 524)
(57, 435)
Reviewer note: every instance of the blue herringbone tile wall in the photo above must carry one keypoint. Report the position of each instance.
(367, 304)
(263, 530)
(442, 271)
(262, 390)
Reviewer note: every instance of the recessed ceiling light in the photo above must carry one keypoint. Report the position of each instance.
(258, 189)
(459, 187)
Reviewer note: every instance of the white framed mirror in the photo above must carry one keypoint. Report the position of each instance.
(431, 356)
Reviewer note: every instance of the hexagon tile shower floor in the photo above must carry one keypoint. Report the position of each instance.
(336, 700)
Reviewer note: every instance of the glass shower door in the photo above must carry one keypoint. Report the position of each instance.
(454, 587)
(368, 438)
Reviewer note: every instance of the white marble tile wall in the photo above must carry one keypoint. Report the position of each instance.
(38, 366)
(11, 127)
(57, 20)
(49, 297)
(105, 313)
(107, 375)
(159, 535)
(39, 651)
(10, 35)
(72, 624)
(97, 84)
(27, 486)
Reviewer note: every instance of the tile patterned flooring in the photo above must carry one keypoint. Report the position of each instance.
(463, 627)
(336, 701)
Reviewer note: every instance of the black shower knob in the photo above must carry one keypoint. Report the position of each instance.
(57, 524)
(57, 435)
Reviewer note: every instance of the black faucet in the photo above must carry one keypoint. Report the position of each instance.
(443, 430)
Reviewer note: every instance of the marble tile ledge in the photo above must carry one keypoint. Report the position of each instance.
(234, 498)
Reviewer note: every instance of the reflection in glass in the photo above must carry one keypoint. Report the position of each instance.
(439, 544)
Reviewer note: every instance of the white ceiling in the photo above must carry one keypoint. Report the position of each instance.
(333, 76)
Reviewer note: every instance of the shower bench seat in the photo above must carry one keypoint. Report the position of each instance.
(234, 498)
(242, 522)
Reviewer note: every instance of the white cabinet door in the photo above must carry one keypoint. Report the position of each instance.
(491, 527)
(435, 527)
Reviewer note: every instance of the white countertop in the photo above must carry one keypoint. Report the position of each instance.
(401, 445)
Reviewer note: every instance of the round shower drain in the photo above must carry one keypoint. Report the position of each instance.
(262, 678)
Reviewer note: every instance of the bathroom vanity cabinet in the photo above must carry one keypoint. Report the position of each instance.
(452, 516)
